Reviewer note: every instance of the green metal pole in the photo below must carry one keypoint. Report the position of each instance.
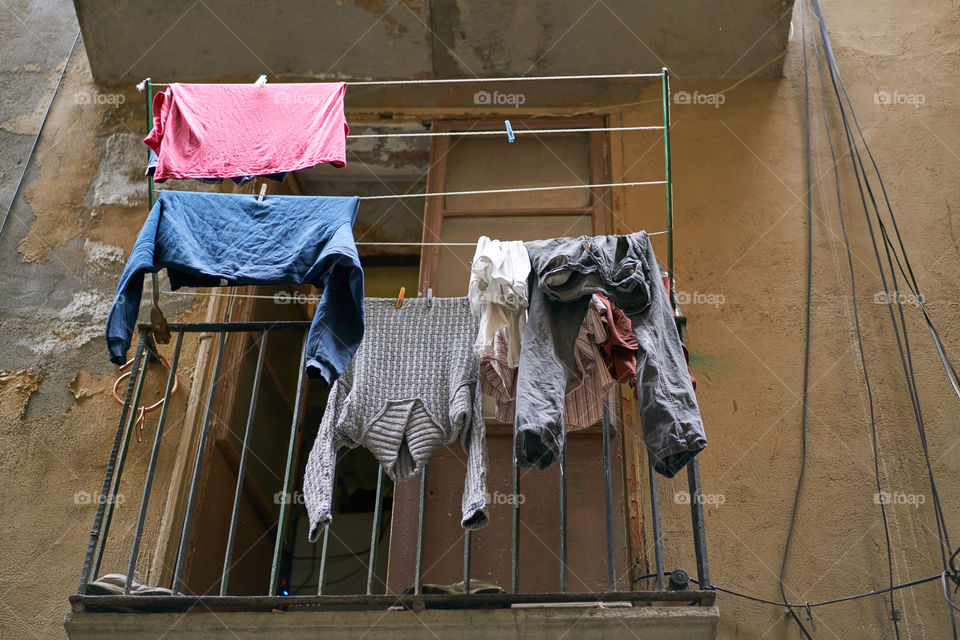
(667, 178)
(151, 196)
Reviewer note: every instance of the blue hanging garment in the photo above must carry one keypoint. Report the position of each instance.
(220, 239)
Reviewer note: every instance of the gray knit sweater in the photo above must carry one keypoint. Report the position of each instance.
(411, 389)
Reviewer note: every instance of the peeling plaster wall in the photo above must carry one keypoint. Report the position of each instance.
(740, 234)
(61, 254)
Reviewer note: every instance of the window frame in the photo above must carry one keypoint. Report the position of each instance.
(600, 208)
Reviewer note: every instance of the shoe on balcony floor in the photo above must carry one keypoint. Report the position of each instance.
(476, 586)
(112, 584)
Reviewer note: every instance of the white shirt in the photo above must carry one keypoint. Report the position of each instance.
(498, 294)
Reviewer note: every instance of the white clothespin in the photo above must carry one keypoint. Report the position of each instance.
(262, 80)
(263, 192)
(429, 298)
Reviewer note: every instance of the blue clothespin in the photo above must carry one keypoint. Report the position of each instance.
(510, 136)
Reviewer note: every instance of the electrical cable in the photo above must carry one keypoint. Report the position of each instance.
(856, 317)
(806, 338)
(902, 345)
(36, 140)
(823, 603)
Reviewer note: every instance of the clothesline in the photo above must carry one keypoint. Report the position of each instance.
(287, 297)
(371, 83)
(447, 244)
(392, 196)
(498, 132)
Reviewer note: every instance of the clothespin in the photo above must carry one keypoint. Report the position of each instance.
(806, 606)
(263, 192)
(400, 297)
(510, 135)
(429, 298)
(262, 80)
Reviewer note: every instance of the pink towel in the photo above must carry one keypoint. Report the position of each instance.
(228, 130)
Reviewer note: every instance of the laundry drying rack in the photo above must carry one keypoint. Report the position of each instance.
(159, 327)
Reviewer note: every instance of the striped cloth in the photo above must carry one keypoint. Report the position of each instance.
(586, 391)
(410, 390)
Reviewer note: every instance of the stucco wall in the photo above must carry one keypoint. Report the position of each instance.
(740, 268)
(740, 252)
(61, 253)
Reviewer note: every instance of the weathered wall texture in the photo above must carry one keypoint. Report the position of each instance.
(61, 253)
(740, 261)
(740, 264)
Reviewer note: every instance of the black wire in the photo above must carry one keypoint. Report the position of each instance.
(856, 318)
(806, 337)
(915, 287)
(810, 605)
(36, 140)
(906, 361)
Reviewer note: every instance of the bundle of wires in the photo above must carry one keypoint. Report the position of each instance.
(870, 185)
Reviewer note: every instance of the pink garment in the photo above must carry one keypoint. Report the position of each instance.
(228, 130)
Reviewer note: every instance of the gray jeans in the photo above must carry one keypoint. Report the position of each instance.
(565, 272)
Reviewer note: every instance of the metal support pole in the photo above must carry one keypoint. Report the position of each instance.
(563, 517)
(242, 468)
(375, 532)
(128, 434)
(326, 537)
(151, 195)
(197, 466)
(288, 475)
(421, 517)
(95, 532)
(699, 531)
(466, 561)
(152, 466)
(515, 527)
(668, 179)
(608, 497)
(657, 532)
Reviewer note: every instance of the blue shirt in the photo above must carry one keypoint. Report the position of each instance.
(221, 239)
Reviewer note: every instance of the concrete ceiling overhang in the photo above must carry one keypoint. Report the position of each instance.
(203, 40)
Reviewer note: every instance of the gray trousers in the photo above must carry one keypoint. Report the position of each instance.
(565, 273)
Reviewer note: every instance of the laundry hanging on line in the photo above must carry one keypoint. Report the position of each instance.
(219, 239)
(588, 388)
(498, 295)
(411, 389)
(564, 272)
(235, 130)
(237, 180)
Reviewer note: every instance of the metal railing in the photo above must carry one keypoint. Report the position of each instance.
(146, 352)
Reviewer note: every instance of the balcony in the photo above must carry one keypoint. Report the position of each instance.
(127, 41)
(218, 559)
